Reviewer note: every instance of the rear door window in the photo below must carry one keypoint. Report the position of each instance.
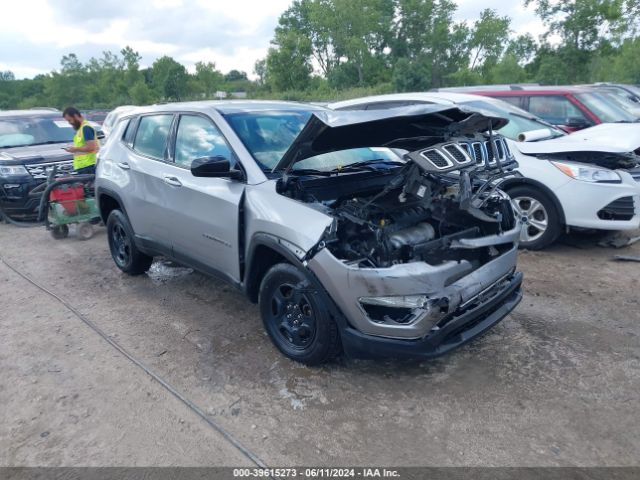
(555, 109)
(152, 134)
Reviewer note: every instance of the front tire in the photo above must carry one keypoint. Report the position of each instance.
(123, 249)
(539, 214)
(296, 317)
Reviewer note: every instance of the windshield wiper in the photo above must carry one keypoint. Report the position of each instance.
(353, 167)
(366, 165)
(311, 171)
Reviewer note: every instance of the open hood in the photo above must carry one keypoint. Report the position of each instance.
(408, 128)
(606, 137)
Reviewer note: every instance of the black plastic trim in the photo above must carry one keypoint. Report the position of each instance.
(454, 334)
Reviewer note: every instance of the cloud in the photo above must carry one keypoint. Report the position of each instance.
(233, 34)
(523, 19)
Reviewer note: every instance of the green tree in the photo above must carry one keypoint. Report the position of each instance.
(584, 27)
(260, 69)
(169, 78)
(506, 70)
(288, 64)
(140, 93)
(208, 78)
(426, 35)
(489, 37)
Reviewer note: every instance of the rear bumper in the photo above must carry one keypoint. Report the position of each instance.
(458, 331)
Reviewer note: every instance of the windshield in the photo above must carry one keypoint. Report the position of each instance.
(622, 99)
(17, 132)
(268, 135)
(519, 120)
(607, 110)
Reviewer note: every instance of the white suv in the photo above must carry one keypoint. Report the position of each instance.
(588, 179)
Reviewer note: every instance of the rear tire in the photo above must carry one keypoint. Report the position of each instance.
(541, 217)
(296, 317)
(123, 249)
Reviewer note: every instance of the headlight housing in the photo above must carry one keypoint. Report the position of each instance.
(400, 301)
(13, 171)
(586, 173)
(402, 309)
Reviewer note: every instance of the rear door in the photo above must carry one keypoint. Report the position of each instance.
(202, 213)
(146, 165)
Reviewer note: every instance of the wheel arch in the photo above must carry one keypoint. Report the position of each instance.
(108, 200)
(517, 182)
(264, 251)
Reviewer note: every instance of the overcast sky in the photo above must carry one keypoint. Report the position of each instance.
(35, 34)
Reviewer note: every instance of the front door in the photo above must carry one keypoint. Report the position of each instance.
(202, 213)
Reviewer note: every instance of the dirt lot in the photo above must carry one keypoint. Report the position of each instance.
(556, 383)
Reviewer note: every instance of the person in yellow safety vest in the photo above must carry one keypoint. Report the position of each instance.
(85, 142)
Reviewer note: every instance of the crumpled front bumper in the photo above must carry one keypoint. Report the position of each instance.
(459, 331)
(457, 282)
(474, 298)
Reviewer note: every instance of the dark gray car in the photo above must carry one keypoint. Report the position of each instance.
(376, 233)
(31, 146)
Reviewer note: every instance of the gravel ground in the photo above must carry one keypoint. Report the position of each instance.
(556, 383)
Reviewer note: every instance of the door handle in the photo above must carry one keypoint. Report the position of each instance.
(124, 165)
(170, 180)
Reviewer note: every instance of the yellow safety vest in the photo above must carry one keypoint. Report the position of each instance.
(83, 160)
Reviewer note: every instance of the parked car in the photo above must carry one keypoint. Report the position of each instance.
(621, 98)
(588, 179)
(31, 144)
(631, 92)
(569, 108)
(95, 116)
(112, 117)
(342, 243)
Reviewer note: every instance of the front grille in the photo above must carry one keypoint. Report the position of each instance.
(437, 158)
(456, 152)
(40, 171)
(477, 152)
(621, 209)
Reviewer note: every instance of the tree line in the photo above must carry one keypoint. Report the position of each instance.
(328, 49)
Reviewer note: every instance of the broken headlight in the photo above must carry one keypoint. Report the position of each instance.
(587, 173)
(400, 301)
(402, 308)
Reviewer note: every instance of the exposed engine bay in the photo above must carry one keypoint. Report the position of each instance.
(418, 210)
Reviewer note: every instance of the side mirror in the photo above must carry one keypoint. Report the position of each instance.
(217, 167)
(577, 123)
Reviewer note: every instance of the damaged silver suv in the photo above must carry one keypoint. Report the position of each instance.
(376, 233)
